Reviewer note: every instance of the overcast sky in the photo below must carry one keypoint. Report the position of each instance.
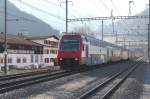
(53, 11)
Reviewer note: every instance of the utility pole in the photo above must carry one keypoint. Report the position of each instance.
(116, 37)
(129, 49)
(130, 2)
(146, 4)
(113, 26)
(102, 30)
(124, 40)
(66, 16)
(149, 42)
(5, 40)
(112, 21)
(67, 13)
(149, 35)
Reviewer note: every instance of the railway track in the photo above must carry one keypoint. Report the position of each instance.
(38, 72)
(12, 82)
(16, 81)
(15, 76)
(104, 89)
(6, 86)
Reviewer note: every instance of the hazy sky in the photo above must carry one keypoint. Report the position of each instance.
(53, 11)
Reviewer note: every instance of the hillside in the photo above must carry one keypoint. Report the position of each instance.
(135, 29)
(27, 24)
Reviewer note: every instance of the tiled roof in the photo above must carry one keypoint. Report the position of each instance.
(14, 39)
(41, 37)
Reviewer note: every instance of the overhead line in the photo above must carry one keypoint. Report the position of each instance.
(104, 5)
(115, 7)
(107, 18)
(26, 19)
(40, 10)
(63, 8)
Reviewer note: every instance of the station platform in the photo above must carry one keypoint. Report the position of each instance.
(146, 90)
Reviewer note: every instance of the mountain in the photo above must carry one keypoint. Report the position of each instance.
(22, 22)
(134, 29)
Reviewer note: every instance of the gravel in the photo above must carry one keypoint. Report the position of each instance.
(133, 86)
(63, 88)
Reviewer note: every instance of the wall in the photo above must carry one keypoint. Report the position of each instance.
(21, 56)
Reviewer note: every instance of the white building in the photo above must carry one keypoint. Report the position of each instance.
(50, 46)
(21, 52)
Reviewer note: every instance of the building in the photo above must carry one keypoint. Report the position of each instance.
(50, 46)
(22, 53)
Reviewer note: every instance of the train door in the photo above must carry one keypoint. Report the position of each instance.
(87, 51)
(108, 55)
(112, 53)
(87, 55)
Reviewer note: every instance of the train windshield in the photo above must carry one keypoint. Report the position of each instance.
(70, 45)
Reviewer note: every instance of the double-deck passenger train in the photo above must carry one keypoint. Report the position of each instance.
(83, 50)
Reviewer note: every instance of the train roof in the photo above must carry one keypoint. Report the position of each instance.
(95, 41)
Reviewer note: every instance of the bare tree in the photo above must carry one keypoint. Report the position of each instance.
(85, 30)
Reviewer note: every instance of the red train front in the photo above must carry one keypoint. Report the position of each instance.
(70, 51)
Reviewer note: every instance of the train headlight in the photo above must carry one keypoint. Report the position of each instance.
(76, 59)
(60, 59)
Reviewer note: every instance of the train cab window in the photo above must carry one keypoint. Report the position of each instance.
(70, 45)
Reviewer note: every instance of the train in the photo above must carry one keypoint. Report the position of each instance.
(76, 50)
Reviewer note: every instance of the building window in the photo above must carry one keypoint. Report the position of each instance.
(46, 51)
(32, 58)
(36, 58)
(49, 42)
(8, 46)
(18, 60)
(9, 60)
(1, 61)
(51, 59)
(24, 60)
(46, 60)
(45, 42)
(53, 44)
(52, 52)
(41, 58)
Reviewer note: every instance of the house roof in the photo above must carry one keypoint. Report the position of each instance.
(41, 37)
(15, 39)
